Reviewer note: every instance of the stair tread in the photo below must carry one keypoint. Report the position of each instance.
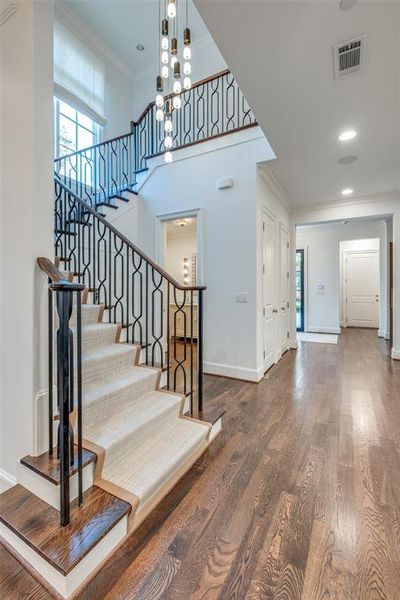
(48, 466)
(154, 461)
(38, 524)
(143, 412)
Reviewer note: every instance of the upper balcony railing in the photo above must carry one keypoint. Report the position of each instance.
(212, 108)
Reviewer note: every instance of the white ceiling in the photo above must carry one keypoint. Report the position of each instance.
(122, 24)
(281, 54)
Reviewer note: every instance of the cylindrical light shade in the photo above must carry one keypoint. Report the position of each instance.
(187, 68)
(168, 142)
(174, 46)
(159, 83)
(164, 57)
(168, 157)
(168, 125)
(159, 115)
(177, 87)
(186, 36)
(187, 83)
(168, 106)
(177, 102)
(164, 27)
(187, 53)
(159, 101)
(171, 9)
(177, 70)
(164, 71)
(173, 61)
(164, 43)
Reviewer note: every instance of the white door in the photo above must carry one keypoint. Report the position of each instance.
(284, 289)
(268, 279)
(362, 289)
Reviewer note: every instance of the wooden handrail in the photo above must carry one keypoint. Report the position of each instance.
(57, 278)
(126, 241)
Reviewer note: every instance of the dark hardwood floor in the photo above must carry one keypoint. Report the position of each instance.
(298, 499)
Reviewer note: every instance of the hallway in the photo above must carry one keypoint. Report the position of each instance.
(300, 499)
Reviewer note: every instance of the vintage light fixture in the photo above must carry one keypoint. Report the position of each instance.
(172, 55)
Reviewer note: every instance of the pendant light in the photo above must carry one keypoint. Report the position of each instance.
(173, 62)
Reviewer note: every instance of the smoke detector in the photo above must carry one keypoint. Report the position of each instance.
(349, 56)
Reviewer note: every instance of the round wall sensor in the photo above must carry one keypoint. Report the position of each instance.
(140, 47)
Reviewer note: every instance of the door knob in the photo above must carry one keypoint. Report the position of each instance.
(283, 308)
(275, 310)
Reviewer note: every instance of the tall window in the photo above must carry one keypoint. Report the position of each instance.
(73, 130)
(300, 290)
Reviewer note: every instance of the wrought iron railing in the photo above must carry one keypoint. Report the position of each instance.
(69, 400)
(212, 108)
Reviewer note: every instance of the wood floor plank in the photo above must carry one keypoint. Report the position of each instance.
(299, 498)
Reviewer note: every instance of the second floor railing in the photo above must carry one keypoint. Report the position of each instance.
(212, 108)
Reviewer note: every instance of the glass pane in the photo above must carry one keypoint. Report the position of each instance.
(85, 138)
(67, 110)
(85, 121)
(67, 134)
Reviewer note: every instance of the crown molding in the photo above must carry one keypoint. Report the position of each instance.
(198, 45)
(274, 185)
(355, 201)
(8, 12)
(66, 14)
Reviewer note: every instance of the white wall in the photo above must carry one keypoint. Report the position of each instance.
(229, 261)
(26, 221)
(119, 81)
(206, 60)
(180, 246)
(322, 245)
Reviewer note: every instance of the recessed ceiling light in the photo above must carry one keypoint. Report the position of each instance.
(140, 47)
(347, 192)
(347, 135)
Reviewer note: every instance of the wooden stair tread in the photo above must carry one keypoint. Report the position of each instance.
(48, 466)
(38, 524)
(211, 414)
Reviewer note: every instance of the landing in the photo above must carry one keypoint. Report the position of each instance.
(300, 498)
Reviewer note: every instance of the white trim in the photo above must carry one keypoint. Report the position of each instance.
(371, 198)
(382, 334)
(6, 480)
(395, 354)
(163, 218)
(313, 329)
(242, 373)
(76, 103)
(343, 283)
(276, 188)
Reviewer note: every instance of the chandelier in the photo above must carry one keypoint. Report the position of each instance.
(172, 55)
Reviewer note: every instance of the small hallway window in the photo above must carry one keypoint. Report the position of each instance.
(73, 130)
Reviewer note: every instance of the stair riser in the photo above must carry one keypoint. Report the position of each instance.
(48, 491)
(67, 585)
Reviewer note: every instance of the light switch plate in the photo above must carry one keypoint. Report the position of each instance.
(242, 297)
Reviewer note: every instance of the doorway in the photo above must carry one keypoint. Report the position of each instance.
(300, 289)
(361, 288)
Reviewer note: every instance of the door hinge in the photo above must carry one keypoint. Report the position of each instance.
(264, 311)
(287, 245)
(263, 269)
(287, 335)
(287, 305)
(288, 274)
(263, 226)
(263, 353)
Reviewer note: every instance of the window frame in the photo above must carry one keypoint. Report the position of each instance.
(97, 131)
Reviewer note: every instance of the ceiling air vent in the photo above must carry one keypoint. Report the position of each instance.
(349, 56)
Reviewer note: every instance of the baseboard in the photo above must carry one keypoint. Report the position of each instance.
(253, 375)
(6, 480)
(383, 334)
(293, 344)
(335, 330)
(395, 354)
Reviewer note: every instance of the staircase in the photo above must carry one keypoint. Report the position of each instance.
(126, 416)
